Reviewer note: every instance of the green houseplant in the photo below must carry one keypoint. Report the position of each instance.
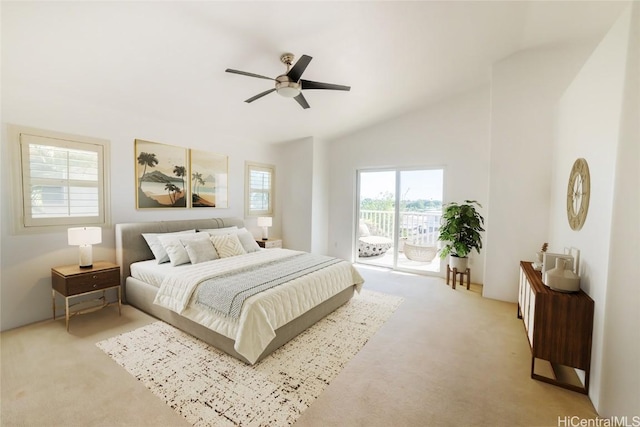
(460, 229)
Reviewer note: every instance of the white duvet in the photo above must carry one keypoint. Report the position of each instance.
(263, 313)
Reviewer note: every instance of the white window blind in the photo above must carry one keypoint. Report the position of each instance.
(63, 181)
(259, 189)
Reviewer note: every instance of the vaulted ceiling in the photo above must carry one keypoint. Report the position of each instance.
(167, 60)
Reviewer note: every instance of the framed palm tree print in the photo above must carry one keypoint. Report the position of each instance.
(209, 176)
(161, 175)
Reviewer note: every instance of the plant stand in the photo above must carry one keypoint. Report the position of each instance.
(455, 272)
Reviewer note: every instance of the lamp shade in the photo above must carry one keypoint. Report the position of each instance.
(264, 221)
(79, 236)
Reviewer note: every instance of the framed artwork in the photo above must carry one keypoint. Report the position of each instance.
(161, 175)
(209, 176)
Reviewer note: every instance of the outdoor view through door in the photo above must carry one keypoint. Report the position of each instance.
(399, 214)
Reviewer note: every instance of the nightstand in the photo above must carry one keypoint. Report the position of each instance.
(269, 244)
(72, 281)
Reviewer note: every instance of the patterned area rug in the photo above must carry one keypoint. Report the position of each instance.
(210, 388)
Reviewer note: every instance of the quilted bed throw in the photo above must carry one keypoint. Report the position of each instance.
(227, 293)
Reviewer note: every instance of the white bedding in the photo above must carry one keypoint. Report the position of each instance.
(151, 272)
(261, 314)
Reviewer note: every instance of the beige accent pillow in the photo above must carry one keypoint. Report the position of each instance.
(200, 250)
(246, 238)
(227, 245)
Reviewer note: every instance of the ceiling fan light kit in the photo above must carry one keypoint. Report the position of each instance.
(289, 85)
(285, 87)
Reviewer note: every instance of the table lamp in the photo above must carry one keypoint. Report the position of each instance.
(84, 237)
(265, 222)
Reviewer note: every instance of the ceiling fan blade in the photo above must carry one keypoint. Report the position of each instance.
(302, 101)
(244, 73)
(260, 95)
(307, 84)
(296, 72)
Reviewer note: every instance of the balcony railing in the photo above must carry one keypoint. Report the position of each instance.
(417, 227)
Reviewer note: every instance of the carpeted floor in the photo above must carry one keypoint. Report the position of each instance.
(445, 358)
(210, 388)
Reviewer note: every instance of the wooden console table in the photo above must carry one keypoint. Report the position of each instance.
(559, 327)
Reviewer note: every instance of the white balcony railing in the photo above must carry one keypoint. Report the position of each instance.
(417, 227)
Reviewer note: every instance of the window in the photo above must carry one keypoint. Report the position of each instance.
(259, 193)
(63, 179)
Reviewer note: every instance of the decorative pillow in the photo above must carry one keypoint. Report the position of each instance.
(247, 240)
(200, 250)
(175, 247)
(219, 231)
(227, 245)
(156, 247)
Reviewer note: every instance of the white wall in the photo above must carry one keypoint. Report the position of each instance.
(453, 134)
(621, 346)
(295, 195)
(303, 194)
(320, 188)
(589, 123)
(524, 90)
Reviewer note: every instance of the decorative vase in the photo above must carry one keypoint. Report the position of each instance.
(537, 265)
(459, 263)
(562, 279)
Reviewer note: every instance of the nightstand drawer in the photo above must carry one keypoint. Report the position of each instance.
(92, 281)
(271, 243)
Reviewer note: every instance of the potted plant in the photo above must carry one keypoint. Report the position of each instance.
(460, 229)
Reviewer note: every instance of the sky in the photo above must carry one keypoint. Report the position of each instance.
(415, 184)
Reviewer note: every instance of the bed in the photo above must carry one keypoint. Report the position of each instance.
(263, 322)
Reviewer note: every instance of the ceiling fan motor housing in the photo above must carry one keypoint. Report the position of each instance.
(287, 87)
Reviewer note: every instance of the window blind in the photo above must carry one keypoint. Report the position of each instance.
(62, 181)
(259, 189)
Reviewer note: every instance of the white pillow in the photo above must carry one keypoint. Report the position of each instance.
(175, 248)
(247, 241)
(219, 231)
(200, 250)
(227, 245)
(156, 247)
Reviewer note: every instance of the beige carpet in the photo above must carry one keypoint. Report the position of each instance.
(445, 358)
(210, 388)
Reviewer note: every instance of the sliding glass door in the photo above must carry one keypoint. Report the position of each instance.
(399, 214)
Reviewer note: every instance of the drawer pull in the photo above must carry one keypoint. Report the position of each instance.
(95, 286)
(95, 276)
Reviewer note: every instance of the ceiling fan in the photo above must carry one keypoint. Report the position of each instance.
(290, 85)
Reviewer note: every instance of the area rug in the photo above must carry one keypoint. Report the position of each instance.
(210, 388)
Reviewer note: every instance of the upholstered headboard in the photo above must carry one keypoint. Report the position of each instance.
(131, 246)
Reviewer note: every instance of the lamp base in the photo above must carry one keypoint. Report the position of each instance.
(86, 256)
